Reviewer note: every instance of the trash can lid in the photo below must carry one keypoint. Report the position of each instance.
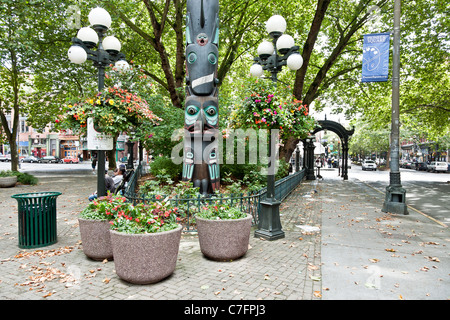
(35, 195)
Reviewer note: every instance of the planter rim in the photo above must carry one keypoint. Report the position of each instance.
(84, 219)
(249, 216)
(146, 234)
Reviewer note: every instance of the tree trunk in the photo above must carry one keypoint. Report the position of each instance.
(288, 148)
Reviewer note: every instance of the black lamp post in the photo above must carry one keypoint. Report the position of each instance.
(395, 198)
(269, 226)
(130, 145)
(310, 157)
(297, 159)
(107, 53)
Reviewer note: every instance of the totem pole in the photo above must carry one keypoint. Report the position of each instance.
(200, 159)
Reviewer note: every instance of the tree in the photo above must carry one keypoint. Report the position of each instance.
(424, 78)
(368, 139)
(339, 25)
(35, 74)
(152, 34)
(156, 24)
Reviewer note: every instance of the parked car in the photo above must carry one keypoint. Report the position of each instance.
(30, 159)
(3, 157)
(49, 159)
(406, 165)
(436, 166)
(70, 160)
(369, 165)
(421, 166)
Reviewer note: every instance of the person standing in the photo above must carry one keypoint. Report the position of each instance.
(94, 162)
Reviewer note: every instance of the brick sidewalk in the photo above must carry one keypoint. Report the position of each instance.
(285, 269)
(359, 252)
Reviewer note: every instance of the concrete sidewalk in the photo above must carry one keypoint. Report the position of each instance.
(369, 254)
(338, 245)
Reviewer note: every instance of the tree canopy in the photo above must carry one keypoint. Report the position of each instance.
(36, 76)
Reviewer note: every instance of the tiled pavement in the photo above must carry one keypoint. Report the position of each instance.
(355, 242)
(283, 269)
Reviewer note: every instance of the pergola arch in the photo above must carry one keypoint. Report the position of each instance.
(343, 134)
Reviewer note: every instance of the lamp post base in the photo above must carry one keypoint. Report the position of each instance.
(395, 200)
(269, 226)
(310, 174)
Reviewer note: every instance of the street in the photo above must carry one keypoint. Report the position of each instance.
(44, 169)
(425, 191)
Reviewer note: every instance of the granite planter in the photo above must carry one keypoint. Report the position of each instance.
(7, 182)
(145, 258)
(224, 240)
(96, 239)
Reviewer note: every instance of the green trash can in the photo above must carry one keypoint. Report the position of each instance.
(37, 219)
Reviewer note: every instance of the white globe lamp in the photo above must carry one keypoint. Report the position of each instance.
(99, 17)
(276, 25)
(294, 61)
(111, 44)
(77, 54)
(284, 43)
(256, 70)
(88, 36)
(122, 66)
(265, 49)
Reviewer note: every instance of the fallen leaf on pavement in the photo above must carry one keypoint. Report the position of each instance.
(433, 259)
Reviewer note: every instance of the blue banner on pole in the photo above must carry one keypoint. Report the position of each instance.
(375, 64)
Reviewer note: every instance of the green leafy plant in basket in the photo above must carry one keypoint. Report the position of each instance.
(220, 211)
(105, 208)
(146, 218)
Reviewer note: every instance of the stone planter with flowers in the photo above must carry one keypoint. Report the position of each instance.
(94, 222)
(145, 242)
(223, 232)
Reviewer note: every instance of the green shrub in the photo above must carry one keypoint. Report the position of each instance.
(26, 178)
(23, 178)
(6, 173)
(163, 167)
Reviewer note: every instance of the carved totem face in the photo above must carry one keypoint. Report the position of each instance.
(201, 114)
(201, 64)
(202, 39)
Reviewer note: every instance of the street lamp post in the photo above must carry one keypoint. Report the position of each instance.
(107, 52)
(272, 56)
(297, 159)
(395, 201)
(310, 157)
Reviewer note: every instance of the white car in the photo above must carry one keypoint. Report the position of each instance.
(437, 166)
(369, 165)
